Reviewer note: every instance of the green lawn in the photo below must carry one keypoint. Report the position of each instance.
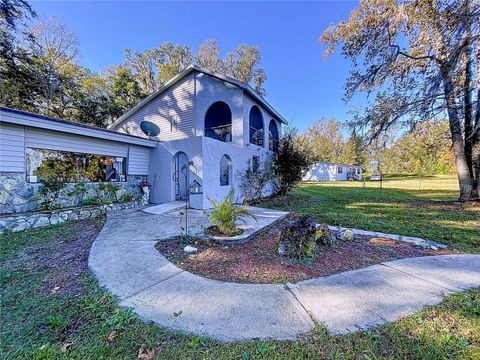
(50, 301)
(399, 207)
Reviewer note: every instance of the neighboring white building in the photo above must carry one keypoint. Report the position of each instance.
(327, 171)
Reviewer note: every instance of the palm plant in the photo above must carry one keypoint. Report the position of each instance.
(225, 214)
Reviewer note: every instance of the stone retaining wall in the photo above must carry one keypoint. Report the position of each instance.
(26, 221)
(19, 196)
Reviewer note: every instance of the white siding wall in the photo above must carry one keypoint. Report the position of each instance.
(324, 171)
(138, 160)
(15, 138)
(54, 140)
(321, 172)
(12, 148)
(176, 102)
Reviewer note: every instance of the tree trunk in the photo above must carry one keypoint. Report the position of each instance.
(475, 135)
(463, 173)
(468, 105)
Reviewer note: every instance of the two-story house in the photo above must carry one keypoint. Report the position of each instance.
(217, 124)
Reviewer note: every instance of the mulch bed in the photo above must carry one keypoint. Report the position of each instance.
(258, 262)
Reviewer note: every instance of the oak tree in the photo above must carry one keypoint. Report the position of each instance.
(419, 60)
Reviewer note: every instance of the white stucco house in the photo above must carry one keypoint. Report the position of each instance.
(327, 171)
(216, 125)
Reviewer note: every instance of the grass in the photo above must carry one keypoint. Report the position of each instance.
(400, 207)
(87, 323)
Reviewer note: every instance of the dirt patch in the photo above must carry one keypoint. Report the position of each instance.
(67, 255)
(258, 262)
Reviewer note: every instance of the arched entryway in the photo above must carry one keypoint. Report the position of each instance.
(180, 163)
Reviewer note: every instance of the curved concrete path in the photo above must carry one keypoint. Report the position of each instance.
(125, 261)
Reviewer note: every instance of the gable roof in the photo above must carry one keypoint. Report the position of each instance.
(187, 71)
(25, 118)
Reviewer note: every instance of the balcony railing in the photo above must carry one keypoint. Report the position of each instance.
(256, 136)
(222, 133)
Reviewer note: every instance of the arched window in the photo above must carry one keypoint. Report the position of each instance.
(256, 126)
(218, 122)
(225, 170)
(273, 136)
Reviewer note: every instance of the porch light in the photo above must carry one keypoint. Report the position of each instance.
(195, 187)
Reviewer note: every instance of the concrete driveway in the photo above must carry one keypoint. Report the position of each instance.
(125, 261)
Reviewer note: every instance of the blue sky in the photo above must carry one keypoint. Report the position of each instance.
(300, 84)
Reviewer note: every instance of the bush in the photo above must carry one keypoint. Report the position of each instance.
(126, 198)
(253, 182)
(225, 214)
(50, 193)
(79, 191)
(96, 200)
(290, 162)
(109, 191)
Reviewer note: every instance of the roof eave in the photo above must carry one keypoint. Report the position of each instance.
(19, 117)
(189, 69)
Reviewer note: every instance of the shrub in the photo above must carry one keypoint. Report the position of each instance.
(126, 198)
(96, 200)
(50, 193)
(225, 214)
(290, 162)
(252, 182)
(79, 191)
(109, 191)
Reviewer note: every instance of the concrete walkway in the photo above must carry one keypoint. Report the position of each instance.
(125, 261)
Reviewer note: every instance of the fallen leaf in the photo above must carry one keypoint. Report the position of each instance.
(67, 346)
(176, 314)
(55, 289)
(145, 354)
(112, 335)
